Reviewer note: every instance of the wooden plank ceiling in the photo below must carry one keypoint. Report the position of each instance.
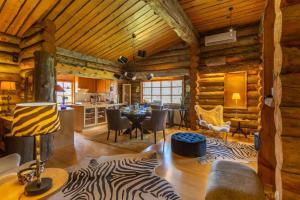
(207, 15)
(102, 28)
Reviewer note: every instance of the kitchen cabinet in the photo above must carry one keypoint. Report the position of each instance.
(88, 83)
(103, 86)
(94, 85)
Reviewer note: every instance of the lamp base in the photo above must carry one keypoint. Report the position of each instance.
(34, 188)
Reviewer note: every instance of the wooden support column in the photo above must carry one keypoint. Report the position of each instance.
(287, 98)
(266, 155)
(193, 84)
(44, 79)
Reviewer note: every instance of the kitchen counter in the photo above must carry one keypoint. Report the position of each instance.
(65, 136)
(90, 115)
(87, 104)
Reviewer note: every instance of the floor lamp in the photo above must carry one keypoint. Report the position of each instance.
(236, 96)
(36, 119)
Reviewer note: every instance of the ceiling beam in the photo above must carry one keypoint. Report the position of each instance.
(173, 14)
(66, 56)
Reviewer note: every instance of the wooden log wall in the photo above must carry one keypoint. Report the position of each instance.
(9, 68)
(210, 80)
(173, 61)
(175, 57)
(286, 98)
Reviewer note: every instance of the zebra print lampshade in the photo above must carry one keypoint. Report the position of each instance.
(30, 119)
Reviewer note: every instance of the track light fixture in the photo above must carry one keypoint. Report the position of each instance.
(123, 60)
(15, 58)
(149, 76)
(118, 76)
(142, 53)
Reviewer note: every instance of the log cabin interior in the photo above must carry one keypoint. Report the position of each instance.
(150, 99)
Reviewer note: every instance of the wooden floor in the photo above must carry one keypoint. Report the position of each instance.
(187, 176)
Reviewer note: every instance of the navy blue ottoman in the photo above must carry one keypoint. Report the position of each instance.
(188, 144)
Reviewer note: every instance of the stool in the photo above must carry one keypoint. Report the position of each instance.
(188, 144)
(231, 180)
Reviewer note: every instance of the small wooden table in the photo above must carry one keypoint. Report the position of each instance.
(239, 129)
(183, 117)
(10, 189)
(5, 123)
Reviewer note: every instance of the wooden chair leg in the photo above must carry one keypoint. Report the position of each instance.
(136, 132)
(130, 135)
(108, 134)
(164, 135)
(142, 134)
(119, 132)
(154, 137)
(116, 135)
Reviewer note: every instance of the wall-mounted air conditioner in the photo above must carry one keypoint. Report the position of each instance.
(221, 38)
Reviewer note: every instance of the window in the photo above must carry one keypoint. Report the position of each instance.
(169, 91)
(68, 92)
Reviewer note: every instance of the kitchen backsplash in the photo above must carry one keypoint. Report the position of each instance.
(83, 96)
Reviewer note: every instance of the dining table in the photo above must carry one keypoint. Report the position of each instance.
(136, 116)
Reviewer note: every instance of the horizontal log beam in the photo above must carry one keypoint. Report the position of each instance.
(9, 39)
(175, 52)
(246, 41)
(9, 77)
(7, 58)
(36, 38)
(164, 73)
(44, 46)
(82, 63)
(9, 47)
(245, 66)
(290, 121)
(80, 56)
(83, 71)
(6, 68)
(160, 67)
(169, 59)
(291, 154)
(232, 51)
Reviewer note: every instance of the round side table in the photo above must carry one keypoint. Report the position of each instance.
(239, 129)
(12, 190)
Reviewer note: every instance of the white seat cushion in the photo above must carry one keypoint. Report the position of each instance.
(9, 163)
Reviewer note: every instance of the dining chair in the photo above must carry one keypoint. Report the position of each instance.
(117, 123)
(156, 107)
(157, 122)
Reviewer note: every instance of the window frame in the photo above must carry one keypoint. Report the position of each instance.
(161, 87)
(72, 92)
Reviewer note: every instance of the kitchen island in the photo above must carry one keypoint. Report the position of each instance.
(91, 115)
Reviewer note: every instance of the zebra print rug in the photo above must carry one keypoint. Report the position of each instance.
(218, 149)
(129, 178)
